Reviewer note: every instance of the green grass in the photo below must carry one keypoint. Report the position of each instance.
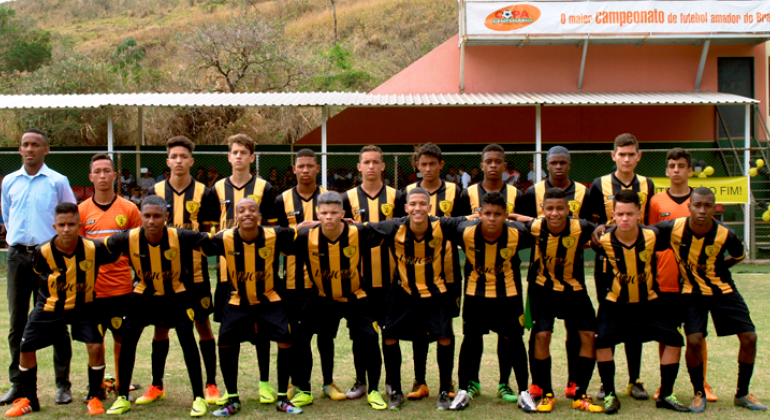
(722, 376)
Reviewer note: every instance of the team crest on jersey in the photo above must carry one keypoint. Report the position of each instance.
(116, 322)
(445, 206)
(387, 209)
(712, 250)
(121, 220)
(86, 265)
(642, 197)
(349, 251)
(509, 207)
(568, 241)
(254, 197)
(191, 314)
(434, 242)
(574, 207)
(205, 302)
(506, 253)
(645, 255)
(191, 206)
(265, 252)
(170, 254)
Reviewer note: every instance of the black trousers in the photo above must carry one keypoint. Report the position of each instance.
(23, 282)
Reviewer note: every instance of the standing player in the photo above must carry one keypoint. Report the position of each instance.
(493, 300)
(699, 243)
(230, 191)
(443, 199)
(67, 268)
(192, 206)
(372, 201)
(629, 307)
(626, 155)
(293, 207)
(102, 215)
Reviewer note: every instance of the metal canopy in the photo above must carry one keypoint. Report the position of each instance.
(641, 39)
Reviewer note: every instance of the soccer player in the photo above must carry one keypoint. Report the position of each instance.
(103, 215)
(493, 299)
(629, 308)
(230, 191)
(332, 255)
(626, 155)
(699, 243)
(444, 197)
(293, 207)
(254, 311)
(161, 258)
(67, 266)
(372, 201)
(192, 206)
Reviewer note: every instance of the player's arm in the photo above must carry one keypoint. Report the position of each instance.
(267, 207)
(39, 263)
(398, 210)
(385, 230)
(64, 191)
(286, 238)
(117, 243)
(595, 202)
(347, 210)
(647, 204)
(526, 239)
(585, 208)
(282, 219)
(526, 204)
(211, 211)
(103, 255)
(663, 234)
(464, 204)
(214, 246)
(735, 249)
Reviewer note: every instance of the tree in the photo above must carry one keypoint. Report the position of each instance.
(22, 48)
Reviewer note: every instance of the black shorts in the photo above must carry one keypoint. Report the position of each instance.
(250, 323)
(378, 301)
(501, 315)
(575, 308)
(111, 312)
(411, 317)
(453, 292)
(675, 306)
(43, 328)
(322, 316)
(294, 301)
(201, 300)
(636, 322)
(174, 311)
(730, 314)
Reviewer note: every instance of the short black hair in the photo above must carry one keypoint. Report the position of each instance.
(306, 153)
(101, 156)
(555, 193)
(40, 133)
(626, 139)
(704, 192)
(494, 198)
(180, 141)
(417, 190)
(66, 208)
(627, 196)
(678, 153)
(492, 148)
(429, 149)
(154, 200)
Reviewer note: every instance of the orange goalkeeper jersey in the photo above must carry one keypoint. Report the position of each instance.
(97, 222)
(665, 207)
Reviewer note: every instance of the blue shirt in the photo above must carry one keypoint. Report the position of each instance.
(28, 204)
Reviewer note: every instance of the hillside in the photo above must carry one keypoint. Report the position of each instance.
(166, 45)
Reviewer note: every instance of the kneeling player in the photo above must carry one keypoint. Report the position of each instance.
(68, 266)
(628, 304)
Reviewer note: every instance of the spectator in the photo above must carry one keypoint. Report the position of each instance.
(164, 176)
(127, 182)
(213, 177)
(511, 175)
(465, 177)
(145, 182)
(476, 175)
(290, 180)
(452, 175)
(274, 180)
(531, 174)
(137, 196)
(201, 176)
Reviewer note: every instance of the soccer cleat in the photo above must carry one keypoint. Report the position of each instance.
(223, 399)
(571, 390)
(333, 392)
(266, 393)
(120, 406)
(291, 392)
(443, 401)
(231, 407)
(671, 403)
(452, 388)
(637, 391)
(95, 407)
(506, 393)
(698, 404)
(396, 400)
(153, 394)
(388, 388)
(199, 408)
(461, 400)
(212, 394)
(585, 403)
(535, 391)
(419, 391)
(749, 401)
(546, 404)
(611, 404)
(288, 407)
(710, 395)
(600, 395)
(526, 402)
(110, 383)
(301, 399)
(357, 391)
(375, 400)
(20, 407)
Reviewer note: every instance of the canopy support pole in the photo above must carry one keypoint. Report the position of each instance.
(462, 67)
(324, 117)
(110, 139)
(747, 213)
(702, 64)
(538, 142)
(582, 65)
(139, 140)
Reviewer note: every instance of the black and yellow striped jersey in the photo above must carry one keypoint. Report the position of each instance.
(557, 258)
(631, 278)
(67, 281)
(701, 259)
(292, 210)
(577, 198)
(495, 267)
(159, 268)
(378, 263)
(603, 190)
(419, 263)
(229, 195)
(252, 266)
(470, 199)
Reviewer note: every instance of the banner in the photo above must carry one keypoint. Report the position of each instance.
(733, 190)
(615, 17)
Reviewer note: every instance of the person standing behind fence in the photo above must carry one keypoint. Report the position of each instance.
(29, 197)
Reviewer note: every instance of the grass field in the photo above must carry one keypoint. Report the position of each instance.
(722, 376)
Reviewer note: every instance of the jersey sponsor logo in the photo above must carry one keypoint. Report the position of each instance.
(233, 253)
(265, 252)
(665, 214)
(205, 302)
(294, 213)
(478, 209)
(509, 207)
(224, 202)
(319, 254)
(171, 253)
(445, 206)
(610, 197)
(191, 206)
(191, 314)
(642, 197)
(574, 206)
(645, 255)
(568, 241)
(387, 209)
(506, 253)
(349, 251)
(254, 197)
(359, 211)
(712, 250)
(116, 322)
(90, 222)
(121, 220)
(139, 255)
(434, 242)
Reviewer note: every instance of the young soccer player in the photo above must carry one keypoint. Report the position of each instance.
(699, 243)
(372, 201)
(629, 308)
(493, 299)
(193, 206)
(444, 197)
(626, 155)
(162, 257)
(68, 266)
(230, 190)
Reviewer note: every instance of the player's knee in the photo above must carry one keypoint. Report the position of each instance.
(390, 341)
(445, 341)
(748, 339)
(587, 337)
(694, 342)
(543, 339)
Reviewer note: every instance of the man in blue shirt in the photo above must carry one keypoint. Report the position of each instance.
(29, 197)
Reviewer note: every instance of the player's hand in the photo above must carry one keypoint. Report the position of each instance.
(473, 216)
(348, 220)
(597, 234)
